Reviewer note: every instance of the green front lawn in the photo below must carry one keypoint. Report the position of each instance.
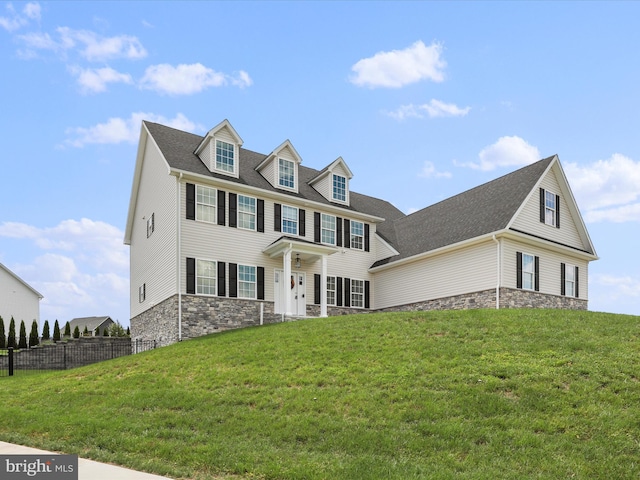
(474, 394)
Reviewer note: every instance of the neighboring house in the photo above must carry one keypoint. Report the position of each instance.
(95, 325)
(18, 300)
(223, 237)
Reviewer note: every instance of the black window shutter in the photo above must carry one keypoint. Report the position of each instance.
(366, 237)
(260, 274)
(316, 288)
(191, 201)
(191, 275)
(562, 278)
(233, 210)
(221, 207)
(316, 227)
(557, 211)
(347, 292)
(301, 227)
(542, 205)
(367, 287)
(537, 273)
(260, 215)
(347, 234)
(577, 282)
(222, 279)
(233, 280)
(338, 291)
(277, 217)
(518, 269)
(338, 231)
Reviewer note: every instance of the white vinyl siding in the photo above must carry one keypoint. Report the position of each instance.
(550, 261)
(18, 301)
(528, 220)
(465, 270)
(223, 142)
(324, 186)
(153, 259)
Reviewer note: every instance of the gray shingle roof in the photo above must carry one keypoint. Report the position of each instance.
(90, 322)
(178, 147)
(479, 211)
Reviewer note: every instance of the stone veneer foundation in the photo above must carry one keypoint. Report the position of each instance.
(205, 315)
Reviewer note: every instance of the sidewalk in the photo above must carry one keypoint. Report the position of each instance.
(87, 469)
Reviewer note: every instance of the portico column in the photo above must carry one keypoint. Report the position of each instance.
(323, 287)
(286, 281)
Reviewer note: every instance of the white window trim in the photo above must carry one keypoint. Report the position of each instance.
(346, 189)
(233, 172)
(351, 293)
(151, 225)
(351, 235)
(335, 290)
(297, 219)
(551, 223)
(255, 283)
(294, 188)
(215, 278)
(532, 273)
(214, 206)
(322, 229)
(569, 268)
(255, 213)
(142, 293)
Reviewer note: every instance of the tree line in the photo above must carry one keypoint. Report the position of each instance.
(8, 340)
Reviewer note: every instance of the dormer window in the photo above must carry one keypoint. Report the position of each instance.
(225, 156)
(339, 188)
(286, 173)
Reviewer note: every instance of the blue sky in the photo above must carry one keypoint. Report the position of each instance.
(423, 100)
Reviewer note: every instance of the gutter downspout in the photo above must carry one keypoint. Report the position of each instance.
(497, 272)
(179, 253)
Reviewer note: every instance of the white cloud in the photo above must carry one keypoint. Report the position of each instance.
(96, 80)
(608, 190)
(398, 68)
(82, 271)
(429, 171)
(15, 21)
(188, 79)
(123, 130)
(506, 152)
(623, 286)
(89, 45)
(435, 108)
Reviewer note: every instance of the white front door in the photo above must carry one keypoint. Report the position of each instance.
(297, 285)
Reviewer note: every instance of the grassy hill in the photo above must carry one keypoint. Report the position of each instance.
(473, 394)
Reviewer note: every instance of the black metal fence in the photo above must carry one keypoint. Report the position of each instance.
(67, 355)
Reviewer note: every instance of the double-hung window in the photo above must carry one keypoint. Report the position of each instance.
(357, 235)
(205, 204)
(357, 293)
(286, 173)
(205, 277)
(225, 156)
(339, 188)
(570, 281)
(246, 281)
(528, 271)
(246, 212)
(328, 229)
(289, 220)
(331, 290)
(550, 208)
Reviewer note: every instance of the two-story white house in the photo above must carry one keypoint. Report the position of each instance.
(223, 237)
